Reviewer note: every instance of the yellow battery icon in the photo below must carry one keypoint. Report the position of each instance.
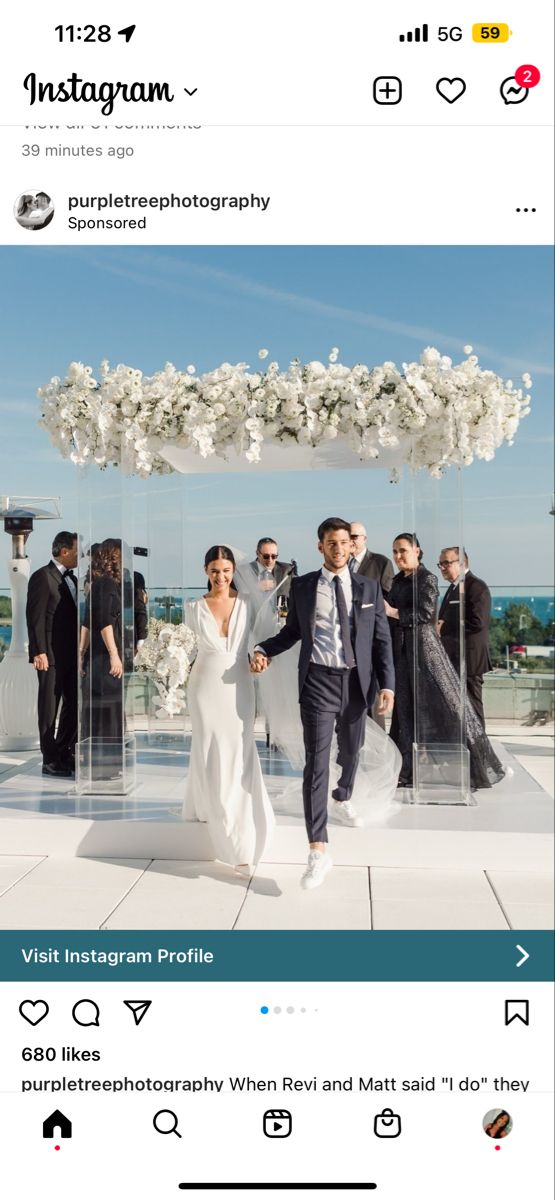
(489, 32)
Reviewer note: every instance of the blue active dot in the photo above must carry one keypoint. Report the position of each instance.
(264, 1008)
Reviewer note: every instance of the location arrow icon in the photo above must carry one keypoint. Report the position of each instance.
(138, 1008)
(127, 34)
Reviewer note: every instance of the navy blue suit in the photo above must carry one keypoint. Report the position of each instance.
(331, 697)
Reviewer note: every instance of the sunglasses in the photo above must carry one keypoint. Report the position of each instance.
(447, 562)
(267, 556)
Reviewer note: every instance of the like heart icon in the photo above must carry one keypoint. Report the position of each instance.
(34, 1011)
(451, 89)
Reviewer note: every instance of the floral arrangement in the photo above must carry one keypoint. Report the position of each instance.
(166, 655)
(438, 413)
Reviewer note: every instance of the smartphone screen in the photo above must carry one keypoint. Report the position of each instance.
(277, 624)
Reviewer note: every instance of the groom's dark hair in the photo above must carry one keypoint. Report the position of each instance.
(332, 524)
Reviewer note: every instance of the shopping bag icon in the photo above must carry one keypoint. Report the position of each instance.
(387, 1124)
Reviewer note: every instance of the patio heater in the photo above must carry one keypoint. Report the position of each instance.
(18, 682)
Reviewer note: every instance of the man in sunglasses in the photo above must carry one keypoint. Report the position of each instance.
(269, 571)
(464, 615)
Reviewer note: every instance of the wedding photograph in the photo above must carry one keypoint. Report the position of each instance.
(277, 623)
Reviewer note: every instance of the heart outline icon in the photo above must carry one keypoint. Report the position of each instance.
(32, 1018)
(448, 84)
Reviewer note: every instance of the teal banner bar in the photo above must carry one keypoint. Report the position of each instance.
(320, 956)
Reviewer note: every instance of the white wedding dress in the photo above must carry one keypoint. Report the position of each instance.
(225, 787)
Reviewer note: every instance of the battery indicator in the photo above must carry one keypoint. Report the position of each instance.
(488, 32)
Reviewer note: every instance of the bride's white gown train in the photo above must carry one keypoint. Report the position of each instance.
(224, 786)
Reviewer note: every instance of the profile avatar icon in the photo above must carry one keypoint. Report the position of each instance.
(497, 1123)
(33, 210)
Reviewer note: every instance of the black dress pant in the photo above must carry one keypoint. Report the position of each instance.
(331, 699)
(57, 697)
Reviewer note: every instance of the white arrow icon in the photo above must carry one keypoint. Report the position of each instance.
(524, 953)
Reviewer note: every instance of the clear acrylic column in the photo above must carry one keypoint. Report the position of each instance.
(164, 527)
(105, 761)
(440, 757)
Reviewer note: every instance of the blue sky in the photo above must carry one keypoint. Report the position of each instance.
(145, 306)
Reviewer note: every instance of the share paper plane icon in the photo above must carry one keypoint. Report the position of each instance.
(138, 1008)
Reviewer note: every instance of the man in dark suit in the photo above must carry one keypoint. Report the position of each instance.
(345, 644)
(367, 562)
(465, 614)
(372, 566)
(268, 571)
(53, 651)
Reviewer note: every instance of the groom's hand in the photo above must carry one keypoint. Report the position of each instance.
(259, 663)
(385, 703)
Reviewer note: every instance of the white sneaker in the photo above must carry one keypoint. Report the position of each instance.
(319, 863)
(344, 811)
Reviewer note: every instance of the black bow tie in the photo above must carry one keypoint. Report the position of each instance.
(68, 574)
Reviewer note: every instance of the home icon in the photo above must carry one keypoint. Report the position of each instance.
(56, 1120)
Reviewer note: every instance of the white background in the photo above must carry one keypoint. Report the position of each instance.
(287, 62)
(375, 1030)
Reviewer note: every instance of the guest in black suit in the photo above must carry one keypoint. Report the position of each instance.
(52, 629)
(371, 565)
(345, 643)
(469, 620)
(267, 569)
(367, 562)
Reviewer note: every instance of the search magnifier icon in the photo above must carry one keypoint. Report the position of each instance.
(165, 1121)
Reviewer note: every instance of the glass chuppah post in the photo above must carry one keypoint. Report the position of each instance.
(105, 761)
(440, 754)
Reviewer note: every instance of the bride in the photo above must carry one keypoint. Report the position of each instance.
(225, 787)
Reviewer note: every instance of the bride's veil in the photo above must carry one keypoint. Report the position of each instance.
(380, 761)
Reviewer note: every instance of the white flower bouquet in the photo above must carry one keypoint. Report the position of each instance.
(166, 656)
(436, 412)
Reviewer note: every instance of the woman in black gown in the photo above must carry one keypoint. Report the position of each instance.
(101, 661)
(423, 670)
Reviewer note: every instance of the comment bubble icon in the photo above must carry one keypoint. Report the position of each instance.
(86, 1012)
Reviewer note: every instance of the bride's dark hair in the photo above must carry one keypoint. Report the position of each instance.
(216, 552)
(412, 538)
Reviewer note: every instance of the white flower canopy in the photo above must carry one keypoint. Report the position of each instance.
(432, 414)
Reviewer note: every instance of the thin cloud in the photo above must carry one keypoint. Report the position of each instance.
(171, 273)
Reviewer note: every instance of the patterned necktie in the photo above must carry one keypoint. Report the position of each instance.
(344, 622)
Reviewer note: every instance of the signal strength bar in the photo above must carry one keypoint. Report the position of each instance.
(417, 35)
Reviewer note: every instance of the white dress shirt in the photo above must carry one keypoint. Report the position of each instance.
(328, 650)
(356, 560)
(69, 581)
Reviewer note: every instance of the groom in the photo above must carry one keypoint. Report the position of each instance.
(340, 620)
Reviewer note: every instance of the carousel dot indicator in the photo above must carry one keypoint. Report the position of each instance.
(290, 1010)
(264, 1009)
(277, 1010)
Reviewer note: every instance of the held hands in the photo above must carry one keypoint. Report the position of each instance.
(259, 663)
(389, 611)
(385, 703)
(40, 662)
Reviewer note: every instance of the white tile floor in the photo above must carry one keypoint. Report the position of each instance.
(374, 885)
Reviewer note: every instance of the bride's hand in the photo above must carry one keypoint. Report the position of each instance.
(259, 663)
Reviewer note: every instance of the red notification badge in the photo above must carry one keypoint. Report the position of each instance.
(527, 76)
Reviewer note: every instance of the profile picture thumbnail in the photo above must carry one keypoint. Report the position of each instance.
(33, 210)
(497, 1123)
